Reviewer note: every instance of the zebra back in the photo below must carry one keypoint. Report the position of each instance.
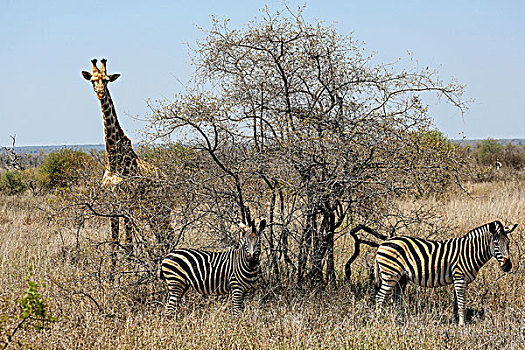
(207, 272)
(433, 263)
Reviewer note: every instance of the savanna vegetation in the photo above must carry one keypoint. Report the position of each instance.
(287, 121)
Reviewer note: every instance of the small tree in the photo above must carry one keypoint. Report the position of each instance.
(146, 202)
(34, 313)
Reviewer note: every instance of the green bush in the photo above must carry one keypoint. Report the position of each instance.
(61, 168)
(489, 151)
(12, 182)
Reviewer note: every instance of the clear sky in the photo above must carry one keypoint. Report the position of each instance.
(45, 44)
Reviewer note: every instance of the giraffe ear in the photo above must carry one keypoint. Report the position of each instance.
(113, 77)
(86, 75)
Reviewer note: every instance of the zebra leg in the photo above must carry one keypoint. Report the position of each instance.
(176, 290)
(399, 292)
(455, 308)
(388, 283)
(460, 286)
(238, 301)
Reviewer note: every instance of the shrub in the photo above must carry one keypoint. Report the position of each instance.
(514, 156)
(61, 168)
(489, 151)
(12, 182)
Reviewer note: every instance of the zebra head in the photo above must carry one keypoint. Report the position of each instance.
(500, 243)
(251, 243)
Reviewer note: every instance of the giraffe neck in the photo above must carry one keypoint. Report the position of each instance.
(112, 128)
(121, 157)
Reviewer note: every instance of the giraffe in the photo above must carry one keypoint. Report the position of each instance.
(122, 161)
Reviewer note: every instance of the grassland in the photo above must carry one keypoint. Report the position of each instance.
(99, 316)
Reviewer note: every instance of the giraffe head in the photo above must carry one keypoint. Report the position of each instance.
(99, 78)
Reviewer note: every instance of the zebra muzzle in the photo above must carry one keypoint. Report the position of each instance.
(506, 265)
(252, 260)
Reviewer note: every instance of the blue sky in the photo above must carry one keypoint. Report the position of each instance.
(45, 44)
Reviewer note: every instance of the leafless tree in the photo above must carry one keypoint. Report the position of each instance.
(14, 160)
(303, 126)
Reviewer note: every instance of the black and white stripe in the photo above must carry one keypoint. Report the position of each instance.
(438, 263)
(232, 271)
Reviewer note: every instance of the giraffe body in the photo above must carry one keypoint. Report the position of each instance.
(113, 178)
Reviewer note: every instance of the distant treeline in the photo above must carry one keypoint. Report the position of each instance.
(35, 150)
(477, 142)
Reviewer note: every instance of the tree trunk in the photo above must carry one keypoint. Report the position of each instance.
(304, 249)
(274, 266)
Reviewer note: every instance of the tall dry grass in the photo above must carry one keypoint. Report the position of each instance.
(103, 315)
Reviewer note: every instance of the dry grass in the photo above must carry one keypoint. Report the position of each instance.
(102, 316)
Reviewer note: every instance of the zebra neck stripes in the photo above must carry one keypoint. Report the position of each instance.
(475, 251)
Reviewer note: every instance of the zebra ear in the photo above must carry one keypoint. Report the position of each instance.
(493, 229)
(510, 228)
(243, 227)
(262, 225)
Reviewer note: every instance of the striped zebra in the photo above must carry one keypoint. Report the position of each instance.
(438, 263)
(233, 270)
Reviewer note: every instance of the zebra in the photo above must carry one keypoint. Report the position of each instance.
(233, 270)
(438, 263)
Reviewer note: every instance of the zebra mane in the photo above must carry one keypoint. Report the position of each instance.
(492, 227)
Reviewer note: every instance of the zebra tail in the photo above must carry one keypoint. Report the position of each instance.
(377, 278)
(160, 274)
